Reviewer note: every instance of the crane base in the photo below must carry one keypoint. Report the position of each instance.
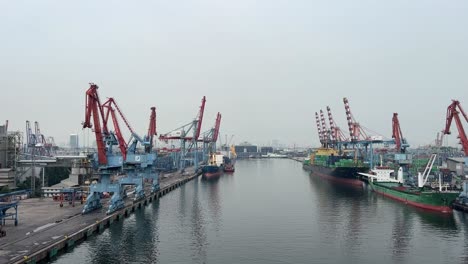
(116, 203)
(93, 202)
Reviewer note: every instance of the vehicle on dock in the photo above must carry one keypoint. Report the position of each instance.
(383, 181)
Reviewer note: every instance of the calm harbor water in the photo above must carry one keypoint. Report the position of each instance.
(271, 211)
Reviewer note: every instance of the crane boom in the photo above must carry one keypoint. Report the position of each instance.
(118, 133)
(336, 133)
(94, 108)
(319, 128)
(333, 135)
(453, 113)
(396, 134)
(324, 128)
(355, 130)
(216, 128)
(200, 118)
(151, 130)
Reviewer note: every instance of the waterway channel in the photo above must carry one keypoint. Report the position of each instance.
(271, 211)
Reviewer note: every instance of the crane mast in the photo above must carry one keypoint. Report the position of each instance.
(319, 128)
(333, 135)
(151, 130)
(324, 128)
(355, 130)
(336, 133)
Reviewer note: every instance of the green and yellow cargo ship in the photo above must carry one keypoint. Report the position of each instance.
(327, 163)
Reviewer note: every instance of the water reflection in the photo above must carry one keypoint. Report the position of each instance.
(339, 213)
(214, 201)
(198, 229)
(402, 232)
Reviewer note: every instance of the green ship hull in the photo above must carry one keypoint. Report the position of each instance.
(426, 199)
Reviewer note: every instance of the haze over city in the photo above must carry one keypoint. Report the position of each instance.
(267, 66)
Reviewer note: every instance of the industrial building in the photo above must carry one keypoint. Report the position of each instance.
(457, 165)
(74, 143)
(266, 150)
(247, 150)
(10, 146)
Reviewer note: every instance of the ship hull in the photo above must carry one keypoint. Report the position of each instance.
(211, 172)
(229, 168)
(429, 200)
(345, 175)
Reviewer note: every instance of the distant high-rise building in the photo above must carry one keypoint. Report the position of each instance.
(275, 143)
(74, 144)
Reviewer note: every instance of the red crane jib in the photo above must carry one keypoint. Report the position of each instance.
(216, 129)
(94, 108)
(200, 117)
(152, 124)
(118, 133)
(453, 113)
(396, 134)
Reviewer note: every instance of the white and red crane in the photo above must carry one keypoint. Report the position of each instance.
(319, 129)
(337, 136)
(356, 132)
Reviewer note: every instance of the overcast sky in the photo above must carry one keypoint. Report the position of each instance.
(266, 65)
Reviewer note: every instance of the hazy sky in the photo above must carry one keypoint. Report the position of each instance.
(266, 65)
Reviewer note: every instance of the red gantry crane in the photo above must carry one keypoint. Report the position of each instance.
(453, 111)
(356, 132)
(337, 136)
(325, 131)
(131, 167)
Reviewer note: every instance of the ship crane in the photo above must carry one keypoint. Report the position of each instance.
(187, 143)
(453, 111)
(337, 136)
(400, 141)
(319, 129)
(356, 132)
(130, 167)
(325, 133)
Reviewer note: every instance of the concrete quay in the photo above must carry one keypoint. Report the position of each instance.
(45, 229)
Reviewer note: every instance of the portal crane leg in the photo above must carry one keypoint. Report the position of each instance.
(93, 202)
(133, 178)
(153, 177)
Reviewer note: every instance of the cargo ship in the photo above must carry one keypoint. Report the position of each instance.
(328, 164)
(382, 181)
(214, 168)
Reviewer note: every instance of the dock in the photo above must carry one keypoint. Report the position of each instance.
(45, 229)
